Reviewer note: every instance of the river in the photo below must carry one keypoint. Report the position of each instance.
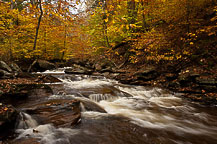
(121, 114)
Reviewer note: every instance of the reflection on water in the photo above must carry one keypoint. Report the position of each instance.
(134, 114)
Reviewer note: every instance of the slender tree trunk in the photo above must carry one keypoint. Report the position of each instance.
(64, 44)
(12, 4)
(131, 6)
(132, 13)
(188, 15)
(38, 26)
(45, 42)
(10, 38)
(105, 25)
(65, 38)
(106, 34)
(145, 26)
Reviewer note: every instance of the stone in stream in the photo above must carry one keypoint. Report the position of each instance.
(4, 74)
(91, 106)
(47, 79)
(77, 69)
(15, 67)
(41, 65)
(18, 93)
(206, 81)
(61, 113)
(8, 115)
(5, 67)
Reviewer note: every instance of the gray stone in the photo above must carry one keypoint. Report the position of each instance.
(45, 65)
(147, 74)
(15, 67)
(5, 74)
(8, 117)
(204, 81)
(2, 73)
(5, 67)
(59, 112)
(77, 69)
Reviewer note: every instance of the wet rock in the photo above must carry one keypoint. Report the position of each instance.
(187, 76)
(91, 106)
(26, 141)
(173, 85)
(98, 67)
(206, 81)
(5, 74)
(104, 66)
(19, 92)
(147, 74)
(25, 75)
(61, 113)
(202, 98)
(47, 79)
(5, 67)
(8, 115)
(76, 69)
(2, 73)
(208, 88)
(15, 67)
(171, 76)
(41, 65)
(45, 65)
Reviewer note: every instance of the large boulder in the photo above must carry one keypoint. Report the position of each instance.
(59, 112)
(47, 79)
(41, 65)
(77, 69)
(2, 73)
(15, 67)
(104, 66)
(17, 93)
(5, 67)
(187, 76)
(8, 115)
(206, 81)
(5, 74)
(45, 65)
(147, 74)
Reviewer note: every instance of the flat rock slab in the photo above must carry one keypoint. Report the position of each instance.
(61, 113)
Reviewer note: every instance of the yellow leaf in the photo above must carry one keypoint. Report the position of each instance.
(127, 27)
(106, 20)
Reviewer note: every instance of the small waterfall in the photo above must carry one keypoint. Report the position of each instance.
(99, 97)
(26, 121)
(82, 107)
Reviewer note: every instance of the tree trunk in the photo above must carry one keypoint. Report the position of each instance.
(132, 13)
(188, 15)
(144, 23)
(105, 25)
(37, 28)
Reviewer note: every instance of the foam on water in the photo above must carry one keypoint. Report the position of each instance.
(99, 97)
(26, 121)
(86, 83)
(48, 134)
(146, 107)
(144, 110)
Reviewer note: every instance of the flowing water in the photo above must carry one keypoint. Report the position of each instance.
(115, 113)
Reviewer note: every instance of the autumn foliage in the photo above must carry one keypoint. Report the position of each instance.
(153, 29)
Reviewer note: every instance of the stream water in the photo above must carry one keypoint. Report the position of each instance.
(115, 113)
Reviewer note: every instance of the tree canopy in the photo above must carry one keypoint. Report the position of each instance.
(156, 29)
